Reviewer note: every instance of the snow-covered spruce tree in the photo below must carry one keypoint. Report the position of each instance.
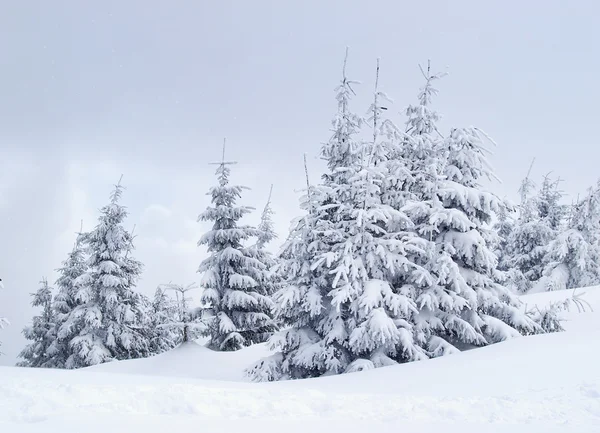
(64, 304)
(539, 223)
(464, 233)
(272, 279)
(110, 317)
(464, 306)
(163, 312)
(41, 333)
(238, 307)
(574, 256)
(504, 226)
(183, 322)
(527, 241)
(348, 293)
(549, 204)
(266, 228)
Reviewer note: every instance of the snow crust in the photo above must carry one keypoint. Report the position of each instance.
(545, 383)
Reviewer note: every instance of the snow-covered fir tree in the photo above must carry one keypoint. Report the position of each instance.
(271, 279)
(110, 318)
(183, 323)
(504, 226)
(573, 258)
(163, 312)
(266, 227)
(540, 220)
(41, 333)
(347, 295)
(464, 306)
(526, 242)
(238, 308)
(64, 304)
(479, 310)
(549, 204)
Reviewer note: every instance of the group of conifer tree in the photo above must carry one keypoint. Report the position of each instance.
(400, 255)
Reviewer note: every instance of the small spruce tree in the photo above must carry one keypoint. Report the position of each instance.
(41, 333)
(183, 322)
(238, 307)
(573, 258)
(540, 222)
(163, 312)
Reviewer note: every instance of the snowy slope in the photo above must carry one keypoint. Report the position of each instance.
(536, 384)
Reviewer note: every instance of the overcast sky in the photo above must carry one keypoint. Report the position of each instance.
(148, 89)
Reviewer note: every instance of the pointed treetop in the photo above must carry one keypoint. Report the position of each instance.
(223, 162)
(267, 233)
(428, 90)
(268, 199)
(78, 237)
(115, 196)
(346, 84)
(223, 171)
(306, 175)
(344, 67)
(526, 186)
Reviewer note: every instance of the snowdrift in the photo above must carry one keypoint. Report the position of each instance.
(540, 384)
(190, 360)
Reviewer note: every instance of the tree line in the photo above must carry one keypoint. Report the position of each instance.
(400, 255)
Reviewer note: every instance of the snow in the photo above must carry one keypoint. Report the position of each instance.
(190, 360)
(545, 383)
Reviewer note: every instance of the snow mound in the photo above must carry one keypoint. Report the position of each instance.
(547, 383)
(190, 360)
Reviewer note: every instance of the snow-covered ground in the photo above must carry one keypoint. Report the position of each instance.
(548, 383)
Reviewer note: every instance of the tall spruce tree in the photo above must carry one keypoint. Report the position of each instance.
(464, 306)
(41, 333)
(238, 306)
(464, 233)
(392, 261)
(348, 292)
(109, 317)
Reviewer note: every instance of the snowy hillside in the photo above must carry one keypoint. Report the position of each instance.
(540, 384)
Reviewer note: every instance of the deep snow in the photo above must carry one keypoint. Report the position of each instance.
(544, 384)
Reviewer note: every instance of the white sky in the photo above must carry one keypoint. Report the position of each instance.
(149, 89)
